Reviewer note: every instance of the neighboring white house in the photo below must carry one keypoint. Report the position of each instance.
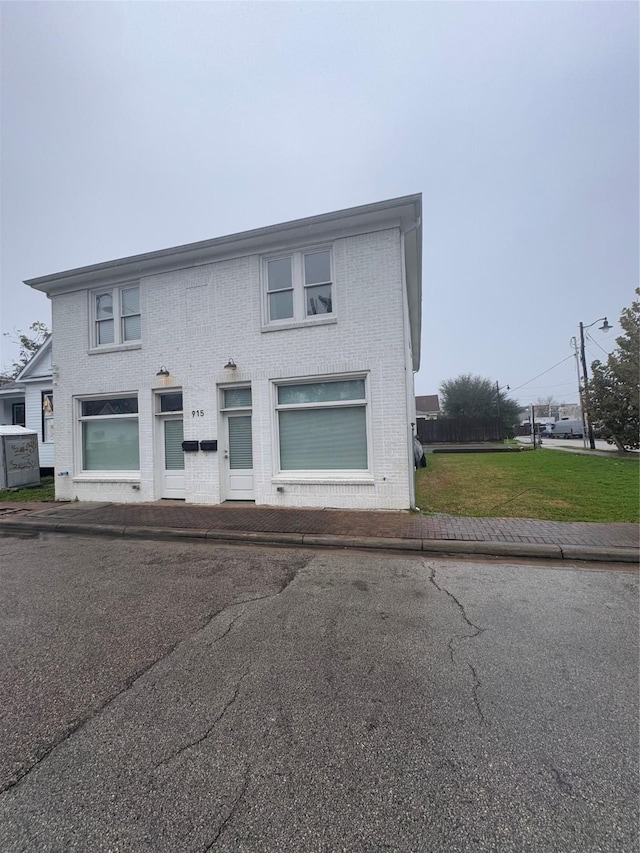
(12, 408)
(28, 401)
(274, 365)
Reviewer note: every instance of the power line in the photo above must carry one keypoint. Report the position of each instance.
(543, 373)
(593, 341)
(559, 385)
(592, 354)
(566, 384)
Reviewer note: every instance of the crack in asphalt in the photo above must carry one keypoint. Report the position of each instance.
(71, 729)
(78, 724)
(564, 785)
(234, 808)
(474, 691)
(215, 722)
(477, 630)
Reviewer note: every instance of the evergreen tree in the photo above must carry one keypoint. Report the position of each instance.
(470, 396)
(612, 395)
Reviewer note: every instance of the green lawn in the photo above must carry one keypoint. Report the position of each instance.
(43, 492)
(546, 484)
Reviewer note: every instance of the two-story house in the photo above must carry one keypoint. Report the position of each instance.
(274, 365)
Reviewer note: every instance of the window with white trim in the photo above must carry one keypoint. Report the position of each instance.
(47, 417)
(109, 434)
(116, 316)
(322, 426)
(18, 414)
(298, 286)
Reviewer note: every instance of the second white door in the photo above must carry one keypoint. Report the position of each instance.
(238, 457)
(173, 485)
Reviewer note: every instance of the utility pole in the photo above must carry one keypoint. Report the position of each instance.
(585, 381)
(584, 385)
(533, 426)
(573, 342)
(499, 417)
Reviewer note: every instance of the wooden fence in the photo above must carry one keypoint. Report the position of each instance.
(455, 430)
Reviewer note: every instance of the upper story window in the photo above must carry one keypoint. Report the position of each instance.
(116, 316)
(298, 286)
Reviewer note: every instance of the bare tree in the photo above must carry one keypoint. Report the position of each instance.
(29, 346)
(545, 404)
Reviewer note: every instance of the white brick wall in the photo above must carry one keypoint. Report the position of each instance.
(194, 320)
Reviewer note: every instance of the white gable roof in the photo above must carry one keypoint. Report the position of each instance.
(39, 366)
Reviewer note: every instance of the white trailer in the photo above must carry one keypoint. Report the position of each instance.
(568, 428)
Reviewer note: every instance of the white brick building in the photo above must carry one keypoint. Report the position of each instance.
(283, 358)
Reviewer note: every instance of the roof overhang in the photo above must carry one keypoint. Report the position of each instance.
(413, 273)
(13, 391)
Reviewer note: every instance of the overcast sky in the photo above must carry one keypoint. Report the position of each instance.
(129, 127)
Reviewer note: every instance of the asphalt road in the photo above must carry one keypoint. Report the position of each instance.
(571, 444)
(191, 697)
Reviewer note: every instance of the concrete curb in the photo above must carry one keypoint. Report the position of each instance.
(256, 537)
(600, 554)
(494, 549)
(328, 540)
(453, 547)
(139, 532)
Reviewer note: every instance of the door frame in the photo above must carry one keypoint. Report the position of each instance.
(160, 418)
(223, 431)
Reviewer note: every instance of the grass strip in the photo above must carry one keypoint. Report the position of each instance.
(545, 484)
(44, 492)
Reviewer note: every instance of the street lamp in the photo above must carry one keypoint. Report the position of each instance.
(583, 386)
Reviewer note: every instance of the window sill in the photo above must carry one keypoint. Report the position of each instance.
(324, 480)
(116, 477)
(298, 324)
(115, 348)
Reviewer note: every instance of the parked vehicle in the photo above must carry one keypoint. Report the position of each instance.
(568, 428)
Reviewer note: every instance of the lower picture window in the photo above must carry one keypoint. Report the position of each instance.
(109, 430)
(323, 426)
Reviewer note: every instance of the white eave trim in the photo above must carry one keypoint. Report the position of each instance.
(403, 212)
(413, 273)
(12, 392)
(24, 375)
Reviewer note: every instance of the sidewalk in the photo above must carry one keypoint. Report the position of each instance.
(500, 537)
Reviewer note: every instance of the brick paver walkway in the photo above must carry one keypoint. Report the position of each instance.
(393, 525)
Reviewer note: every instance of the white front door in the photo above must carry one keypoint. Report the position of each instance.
(172, 458)
(238, 457)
